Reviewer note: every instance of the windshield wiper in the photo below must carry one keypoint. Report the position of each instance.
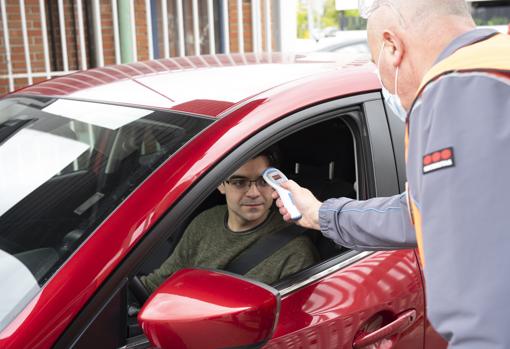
(10, 127)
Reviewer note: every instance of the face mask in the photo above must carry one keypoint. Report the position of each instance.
(392, 100)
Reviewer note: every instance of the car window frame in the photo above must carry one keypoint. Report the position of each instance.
(371, 117)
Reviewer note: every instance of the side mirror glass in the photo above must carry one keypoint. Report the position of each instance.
(202, 309)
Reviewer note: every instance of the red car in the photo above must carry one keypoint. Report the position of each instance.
(102, 170)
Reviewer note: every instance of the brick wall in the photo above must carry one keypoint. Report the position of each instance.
(234, 28)
(74, 57)
(107, 32)
(247, 26)
(142, 44)
(34, 32)
(54, 35)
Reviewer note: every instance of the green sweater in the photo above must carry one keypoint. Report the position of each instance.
(209, 243)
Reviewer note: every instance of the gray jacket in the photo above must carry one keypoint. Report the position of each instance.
(465, 218)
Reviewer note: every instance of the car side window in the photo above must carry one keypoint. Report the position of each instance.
(320, 157)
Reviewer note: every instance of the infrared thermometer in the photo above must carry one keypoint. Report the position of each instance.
(275, 178)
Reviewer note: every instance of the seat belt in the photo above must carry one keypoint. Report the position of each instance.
(263, 248)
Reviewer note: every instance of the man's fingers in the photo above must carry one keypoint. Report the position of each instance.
(306, 203)
(290, 185)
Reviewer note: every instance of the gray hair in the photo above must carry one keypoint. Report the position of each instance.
(417, 11)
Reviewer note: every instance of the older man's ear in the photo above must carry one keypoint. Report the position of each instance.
(395, 46)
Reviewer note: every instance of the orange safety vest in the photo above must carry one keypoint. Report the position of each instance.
(467, 59)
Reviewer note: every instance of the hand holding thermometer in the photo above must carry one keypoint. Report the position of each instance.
(275, 178)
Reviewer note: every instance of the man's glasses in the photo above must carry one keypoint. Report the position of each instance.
(244, 184)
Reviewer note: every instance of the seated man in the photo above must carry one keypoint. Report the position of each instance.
(218, 235)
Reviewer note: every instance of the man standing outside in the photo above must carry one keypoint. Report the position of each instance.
(451, 83)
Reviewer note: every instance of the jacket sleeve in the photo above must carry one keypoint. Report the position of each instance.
(375, 224)
(463, 205)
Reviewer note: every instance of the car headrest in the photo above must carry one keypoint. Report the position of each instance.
(317, 149)
(327, 146)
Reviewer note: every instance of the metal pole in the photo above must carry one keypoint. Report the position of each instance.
(98, 34)
(255, 25)
(116, 39)
(210, 18)
(269, 47)
(180, 28)
(126, 45)
(7, 47)
(26, 47)
(155, 28)
(196, 25)
(44, 29)
(148, 19)
(164, 17)
(83, 53)
(63, 40)
(225, 26)
(133, 30)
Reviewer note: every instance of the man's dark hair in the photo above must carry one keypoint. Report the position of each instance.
(272, 154)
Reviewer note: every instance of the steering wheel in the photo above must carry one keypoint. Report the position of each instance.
(139, 291)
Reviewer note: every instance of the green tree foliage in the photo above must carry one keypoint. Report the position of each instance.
(302, 22)
(330, 17)
(492, 21)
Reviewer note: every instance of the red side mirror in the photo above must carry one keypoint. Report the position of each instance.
(202, 309)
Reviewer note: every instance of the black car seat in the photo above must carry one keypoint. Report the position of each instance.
(321, 158)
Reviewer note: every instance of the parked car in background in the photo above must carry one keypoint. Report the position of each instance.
(348, 47)
(102, 171)
(345, 42)
(355, 42)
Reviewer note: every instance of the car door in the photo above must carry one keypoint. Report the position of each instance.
(358, 298)
(368, 299)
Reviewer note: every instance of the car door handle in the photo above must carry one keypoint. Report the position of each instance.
(401, 323)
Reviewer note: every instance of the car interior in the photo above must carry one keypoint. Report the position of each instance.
(45, 227)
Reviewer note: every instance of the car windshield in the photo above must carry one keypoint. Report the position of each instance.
(65, 166)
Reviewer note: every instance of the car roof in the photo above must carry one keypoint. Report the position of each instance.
(206, 85)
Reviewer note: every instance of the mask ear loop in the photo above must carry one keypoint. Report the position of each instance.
(378, 69)
(396, 83)
(379, 58)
